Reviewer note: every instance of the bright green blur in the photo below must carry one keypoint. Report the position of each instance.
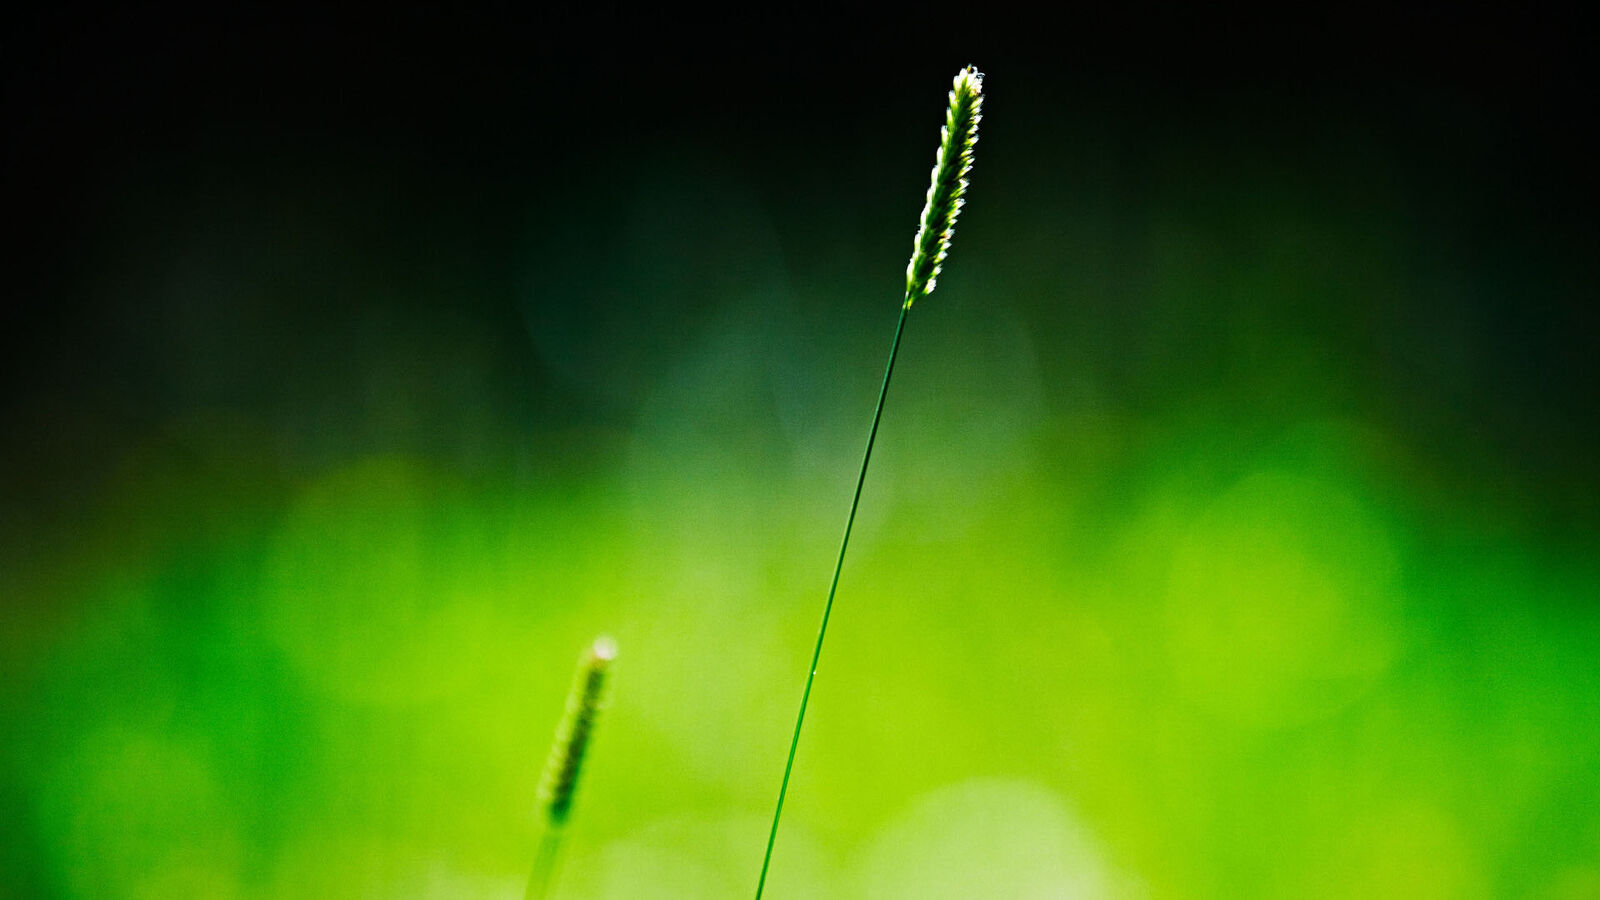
(1249, 671)
(1159, 606)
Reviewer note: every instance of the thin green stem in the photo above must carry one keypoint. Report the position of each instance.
(544, 864)
(822, 630)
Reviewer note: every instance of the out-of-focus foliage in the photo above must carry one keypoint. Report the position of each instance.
(1232, 529)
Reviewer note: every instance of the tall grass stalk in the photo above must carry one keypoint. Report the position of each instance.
(558, 785)
(946, 197)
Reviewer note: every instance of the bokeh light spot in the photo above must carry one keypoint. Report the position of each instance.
(142, 815)
(1281, 603)
(383, 583)
(989, 838)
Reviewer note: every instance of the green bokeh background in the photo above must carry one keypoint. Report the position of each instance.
(1233, 531)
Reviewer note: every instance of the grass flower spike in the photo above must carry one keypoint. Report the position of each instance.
(561, 768)
(946, 195)
(559, 783)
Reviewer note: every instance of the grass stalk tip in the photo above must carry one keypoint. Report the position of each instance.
(559, 782)
(947, 192)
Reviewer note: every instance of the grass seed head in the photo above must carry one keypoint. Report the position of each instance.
(946, 195)
(584, 702)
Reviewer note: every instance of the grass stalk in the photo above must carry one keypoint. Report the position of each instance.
(946, 197)
(544, 863)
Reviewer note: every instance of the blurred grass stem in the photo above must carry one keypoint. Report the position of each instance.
(544, 864)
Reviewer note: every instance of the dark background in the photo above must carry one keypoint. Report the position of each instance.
(427, 144)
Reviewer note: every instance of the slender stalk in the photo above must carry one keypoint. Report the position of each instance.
(946, 196)
(822, 630)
